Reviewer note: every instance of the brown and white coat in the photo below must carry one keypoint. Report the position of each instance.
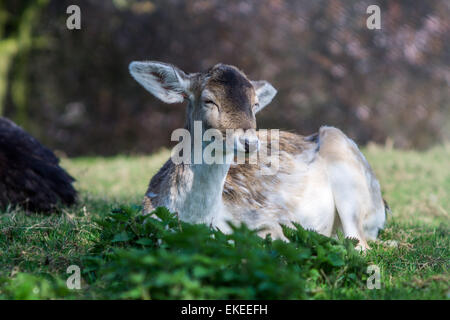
(323, 181)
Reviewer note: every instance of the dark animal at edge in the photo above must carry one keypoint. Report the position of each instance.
(30, 175)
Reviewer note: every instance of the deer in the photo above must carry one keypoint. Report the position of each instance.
(323, 182)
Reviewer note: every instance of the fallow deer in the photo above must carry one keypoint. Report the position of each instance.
(324, 182)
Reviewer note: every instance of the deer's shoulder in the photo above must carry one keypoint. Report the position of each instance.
(250, 185)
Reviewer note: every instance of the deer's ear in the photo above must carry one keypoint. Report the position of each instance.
(164, 81)
(265, 92)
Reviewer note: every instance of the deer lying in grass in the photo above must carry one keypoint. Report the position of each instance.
(323, 182)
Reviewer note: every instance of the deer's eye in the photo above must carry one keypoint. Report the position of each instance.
(210, 103)
(256, 106)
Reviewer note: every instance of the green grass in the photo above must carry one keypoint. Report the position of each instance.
(123, 256)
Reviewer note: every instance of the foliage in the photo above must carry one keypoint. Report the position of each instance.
(25, 286)
(17, 20)
(163, 258)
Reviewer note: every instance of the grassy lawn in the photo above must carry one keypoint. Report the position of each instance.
(35, 250)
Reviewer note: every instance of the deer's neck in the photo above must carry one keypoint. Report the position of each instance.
(196, 189)
(197, 195)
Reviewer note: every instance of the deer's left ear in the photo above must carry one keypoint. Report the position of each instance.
(265, 92)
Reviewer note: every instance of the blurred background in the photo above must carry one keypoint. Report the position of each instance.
(71, 88)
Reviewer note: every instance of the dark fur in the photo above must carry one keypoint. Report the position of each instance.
(235, 96)
(29, 172)
(237, 87)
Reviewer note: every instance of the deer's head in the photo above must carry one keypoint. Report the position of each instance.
(221, 98)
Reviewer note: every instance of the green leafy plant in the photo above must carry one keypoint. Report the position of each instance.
(24, 286)
(160, 257)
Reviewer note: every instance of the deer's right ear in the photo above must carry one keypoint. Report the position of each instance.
(164, 81)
